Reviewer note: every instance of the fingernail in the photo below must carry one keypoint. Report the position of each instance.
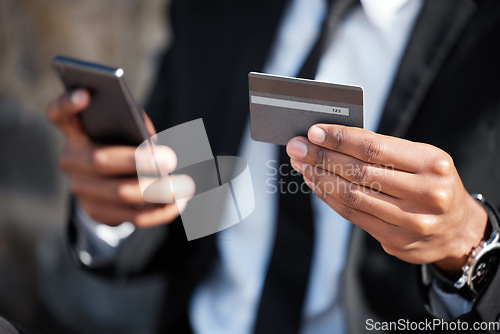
(166, 159)
(77, 98)
(316, 134)
(297, 149)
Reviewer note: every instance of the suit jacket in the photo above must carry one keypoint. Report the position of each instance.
(445, 93)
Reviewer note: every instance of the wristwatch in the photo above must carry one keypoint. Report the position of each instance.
(483, 259)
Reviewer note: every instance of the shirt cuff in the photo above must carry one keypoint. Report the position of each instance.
(98, 244)
(447, 305)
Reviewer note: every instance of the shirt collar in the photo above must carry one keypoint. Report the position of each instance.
(382, 13)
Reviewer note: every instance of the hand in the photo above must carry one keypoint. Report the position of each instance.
(407, 195)
(103, 178)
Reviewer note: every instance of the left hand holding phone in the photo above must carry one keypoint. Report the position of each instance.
(103, 177)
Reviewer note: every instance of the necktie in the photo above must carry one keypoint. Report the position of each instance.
(284, 290)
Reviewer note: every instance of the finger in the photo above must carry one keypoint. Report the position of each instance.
(109, 190)
(149, 124)
(115, 214)
(154, 160)
(63, 111)
(110, 160)
(95, 160)
(115, 160)
(371, 147)
(393, 182)
(169, 188)
(393, 239)
(328, 185)
(376, 227)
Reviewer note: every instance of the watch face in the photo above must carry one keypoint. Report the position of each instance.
(485, 269)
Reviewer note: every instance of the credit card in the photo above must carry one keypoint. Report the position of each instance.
(283, 107)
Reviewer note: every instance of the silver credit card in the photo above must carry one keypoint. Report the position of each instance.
(283, 107)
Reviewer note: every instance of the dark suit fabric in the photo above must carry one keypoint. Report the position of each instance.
(446, 93)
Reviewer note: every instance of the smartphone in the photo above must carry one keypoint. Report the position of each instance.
(113, 116)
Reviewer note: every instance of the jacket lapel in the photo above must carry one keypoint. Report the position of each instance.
(435, 33)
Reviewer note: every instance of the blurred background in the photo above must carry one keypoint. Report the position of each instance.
(40, 288)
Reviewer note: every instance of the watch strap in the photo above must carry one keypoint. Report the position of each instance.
(491, 210)
(433, 274)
